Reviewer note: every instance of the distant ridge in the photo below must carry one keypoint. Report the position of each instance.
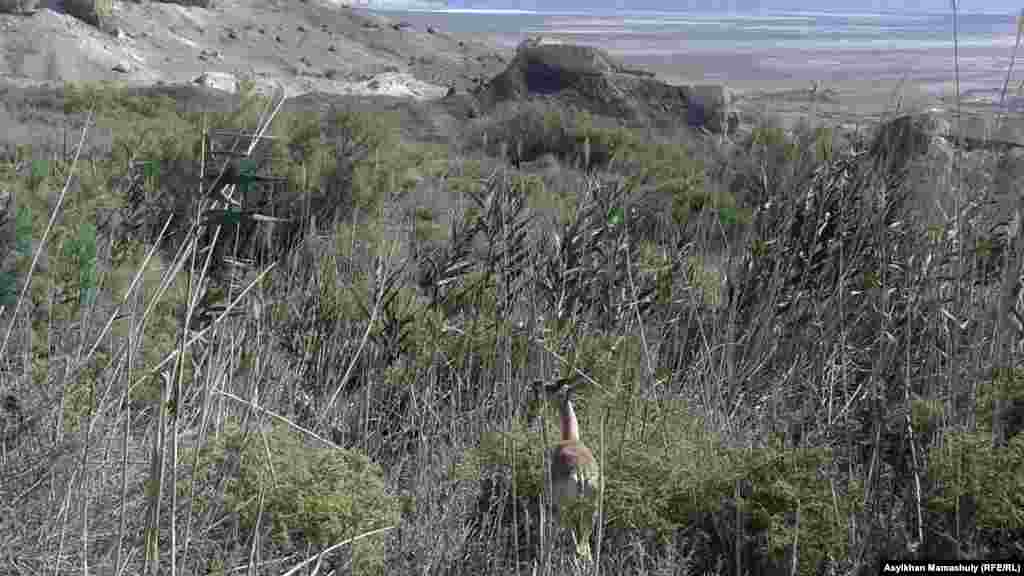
(401, 4)
(745, 6)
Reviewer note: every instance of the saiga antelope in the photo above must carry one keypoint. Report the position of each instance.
(575, 473)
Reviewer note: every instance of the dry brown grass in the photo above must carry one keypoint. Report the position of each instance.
(802, 362)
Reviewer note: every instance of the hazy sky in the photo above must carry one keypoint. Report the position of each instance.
(992, 6)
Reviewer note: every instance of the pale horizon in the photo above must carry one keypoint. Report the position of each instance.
(994, 7)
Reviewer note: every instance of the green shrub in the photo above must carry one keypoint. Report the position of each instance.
(528, 131)
(1007, 387)
(197, 3)
(95, 12)
(706, 279)
(360, 152)
(768, 160)
(786, 481)
(20, 251)
(594, 146)
(676, 180)
(679, 475)
(311, 495)
(110, 99)
(79, 258)
(824, 144)
(968, 467)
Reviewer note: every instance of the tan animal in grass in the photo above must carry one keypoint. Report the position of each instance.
(575, 474)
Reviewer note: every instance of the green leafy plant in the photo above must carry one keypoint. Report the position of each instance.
(39, 169)
(20, 253)
(79, 252)
(297, 492)
(968, 468)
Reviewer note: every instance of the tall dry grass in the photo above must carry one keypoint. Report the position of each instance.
(797, 351)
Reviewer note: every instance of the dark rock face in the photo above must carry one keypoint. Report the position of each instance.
(590, 79)
(710, 106)
(903, 139)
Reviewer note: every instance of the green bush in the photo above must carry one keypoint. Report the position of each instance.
(528, 131)
(1007, 387)
(768, 161)
(311, 495)
(680, 475)
(784, 482)
(594, 146)
(968, 467)
(637, 496)
(349, 159)
(19, 249)
(198, 3)
(676, 174)
(95, 12)
(111, 100)
(79, 256)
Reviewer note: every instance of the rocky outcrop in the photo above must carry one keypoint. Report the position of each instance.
(219, 80)
(589, 78)
(711, 105)
(902, 140)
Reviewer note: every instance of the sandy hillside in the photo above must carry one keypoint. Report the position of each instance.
(321, 46)
(305, 46)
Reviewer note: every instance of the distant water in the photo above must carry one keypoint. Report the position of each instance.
(649, 32)
(819, 44)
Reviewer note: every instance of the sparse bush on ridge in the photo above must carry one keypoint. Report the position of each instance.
(198, 3)
(94, 12)
(530, 130)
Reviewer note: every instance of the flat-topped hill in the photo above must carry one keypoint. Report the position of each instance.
(588, 78)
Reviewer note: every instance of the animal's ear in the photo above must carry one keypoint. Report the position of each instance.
(569, 381)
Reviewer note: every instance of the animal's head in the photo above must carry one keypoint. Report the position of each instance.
(550, 394)
(559, 395)
(557, 390)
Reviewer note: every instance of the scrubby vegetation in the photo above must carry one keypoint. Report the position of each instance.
(790, 361)
(95, 12)
(309, 495)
